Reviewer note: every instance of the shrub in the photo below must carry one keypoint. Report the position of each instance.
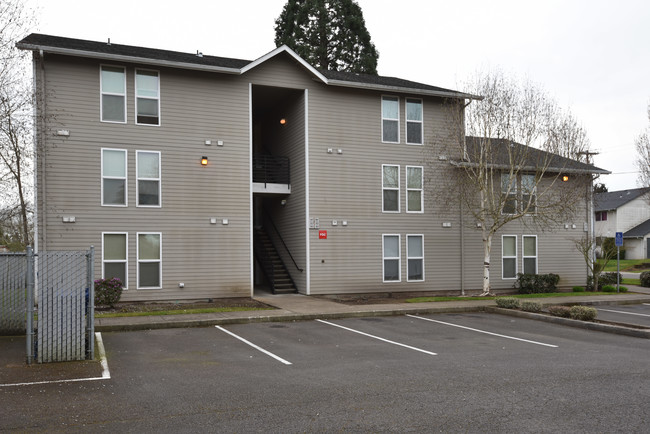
(609, 245)
(507, 302)
(108, 291)
(583, 313)
(578, 289)
(561, 311)
(531, 306)
(536, 283)
(622, 288)
(608, 288)
(645, 279)
(603, 279)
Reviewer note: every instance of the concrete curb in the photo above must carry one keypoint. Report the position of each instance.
(619, 329)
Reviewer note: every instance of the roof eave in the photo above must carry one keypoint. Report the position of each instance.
(371, 86)
(125, 58)
(290, 52)
(535, 168)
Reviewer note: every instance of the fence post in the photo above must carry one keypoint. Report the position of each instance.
(90, 316)
(29, 338)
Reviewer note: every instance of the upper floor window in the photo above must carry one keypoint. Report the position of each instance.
(148, 174)
(114, 190)
(528, 194)
(390, 188)
(414, 189)
(601, 216)
(509, 193)
(113, 94)
(390, 119)
(414, 121)
(147, 97)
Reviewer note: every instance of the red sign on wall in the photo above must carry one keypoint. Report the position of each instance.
(322, 235)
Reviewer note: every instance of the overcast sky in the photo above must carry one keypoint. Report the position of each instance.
(592, 56)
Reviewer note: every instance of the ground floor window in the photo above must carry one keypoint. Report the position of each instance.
(509, 256)
(149, 260)
(530, 254)
(114, 256)
(415, 257)
(391, 255)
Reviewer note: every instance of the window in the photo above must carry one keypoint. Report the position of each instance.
(114, 191)
(509, 193)
(414, 198)
(529, 193)
(509, 256)
(601, 216)
(390, 119)
(113, 94)
(147, 97)
(391, 254)
(530, 254)
(414, 121)
(148, 174)
(390, 188)
(149, 261)
(114, 254)
(415, 257)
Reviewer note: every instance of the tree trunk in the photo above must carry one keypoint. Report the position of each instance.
(487, 248)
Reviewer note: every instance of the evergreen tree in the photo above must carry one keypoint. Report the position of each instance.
(329, 35)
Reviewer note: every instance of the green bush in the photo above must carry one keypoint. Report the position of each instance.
(583, 313)
(531, 306)
(603, 279)
(645, 279)
(536, 283)
(608, 288)
(108, 291)
(561, 311)
(578, 289)
(507, 302)
(622, 288)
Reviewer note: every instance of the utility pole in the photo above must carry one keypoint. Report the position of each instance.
(590, 207)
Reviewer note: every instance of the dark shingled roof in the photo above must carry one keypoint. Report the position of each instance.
(639, 231)
(534, 156)
(615, 199)
(81, 47)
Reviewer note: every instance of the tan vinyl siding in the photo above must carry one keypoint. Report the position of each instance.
(211, 260)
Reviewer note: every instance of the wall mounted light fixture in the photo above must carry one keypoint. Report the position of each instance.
(283, 121)
(204, 161)
(565, 178)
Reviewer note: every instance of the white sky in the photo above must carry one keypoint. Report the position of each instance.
(592, 56)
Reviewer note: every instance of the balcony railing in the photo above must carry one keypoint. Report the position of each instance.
(271, 169)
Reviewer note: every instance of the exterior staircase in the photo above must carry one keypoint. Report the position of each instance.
(274, 269)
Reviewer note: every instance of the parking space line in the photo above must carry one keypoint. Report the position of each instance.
(627, 313)
(646, 304)
(106, 374)
(377, 337)
(483, 331)
(268, 353)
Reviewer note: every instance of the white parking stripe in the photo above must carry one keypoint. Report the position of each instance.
(627, 313)
(268, 353)
(483, 331)
(377, 337)
(646, 304)
(106, 375)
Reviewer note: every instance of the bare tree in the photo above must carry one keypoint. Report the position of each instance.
(16, 145)
(503, 174)
(642, 144)
(586, 247)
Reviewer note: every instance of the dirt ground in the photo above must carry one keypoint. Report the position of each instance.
(124, 307)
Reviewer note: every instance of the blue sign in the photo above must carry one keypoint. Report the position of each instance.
(619, 239)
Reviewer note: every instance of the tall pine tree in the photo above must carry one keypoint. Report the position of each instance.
(329, 35)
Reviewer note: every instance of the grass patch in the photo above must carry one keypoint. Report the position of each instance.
(546, 295)
(179, 311)
(631, 265)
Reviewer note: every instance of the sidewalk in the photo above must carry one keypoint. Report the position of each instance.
(297, 307)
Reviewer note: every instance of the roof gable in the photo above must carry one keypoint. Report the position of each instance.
(639, 231)
(612, 200)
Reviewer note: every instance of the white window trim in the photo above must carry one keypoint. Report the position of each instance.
(398, 257)
(509, 257)
(523, 252)
(514, 191)
(135, 85)
(399, 199)
(421, 190)
(533, 193)
(159, 179)
(125, 178)
(407, 121)
(389, 119)
(414, 257)
(102, 93)
(138, 261)
(115, 261)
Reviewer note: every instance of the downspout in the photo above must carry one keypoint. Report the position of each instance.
(462, 228)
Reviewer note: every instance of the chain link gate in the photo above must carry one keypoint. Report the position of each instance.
(65, 298)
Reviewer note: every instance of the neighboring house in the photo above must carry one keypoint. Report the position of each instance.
(199, 177)
(626, 211)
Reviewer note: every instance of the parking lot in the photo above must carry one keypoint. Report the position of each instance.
(445, 372)
(634, 314)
